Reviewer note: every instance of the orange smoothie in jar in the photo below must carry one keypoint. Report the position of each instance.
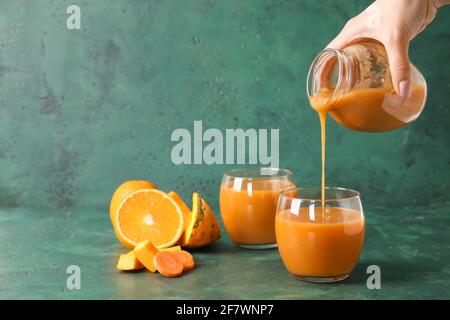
(371, 109)
(313, 244)
(248, 209)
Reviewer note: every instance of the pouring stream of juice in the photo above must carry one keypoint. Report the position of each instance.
(322, 104)
(323, 121)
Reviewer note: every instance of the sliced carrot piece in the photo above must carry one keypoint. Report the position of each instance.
(186, 259)
(167, 264)
(145, 251)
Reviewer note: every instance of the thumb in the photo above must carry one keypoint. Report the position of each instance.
(397, 52)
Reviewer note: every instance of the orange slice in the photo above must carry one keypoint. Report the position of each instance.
(149, 214)
(187, 213)
(203, 227)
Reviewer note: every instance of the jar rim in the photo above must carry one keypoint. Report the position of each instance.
(314, 77)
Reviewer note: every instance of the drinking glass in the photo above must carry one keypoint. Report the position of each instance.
(248, 203)
(320, 243)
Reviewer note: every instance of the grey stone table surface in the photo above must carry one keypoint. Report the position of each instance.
(410, 245)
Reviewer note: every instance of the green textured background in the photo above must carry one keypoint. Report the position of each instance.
(81, 111)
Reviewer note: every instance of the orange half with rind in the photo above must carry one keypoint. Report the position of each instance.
(123, 191)
(149, 214)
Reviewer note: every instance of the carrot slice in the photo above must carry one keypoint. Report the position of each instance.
(186, 259)
(167, 264)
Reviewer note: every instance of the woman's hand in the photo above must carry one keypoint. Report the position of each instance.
(394, 23)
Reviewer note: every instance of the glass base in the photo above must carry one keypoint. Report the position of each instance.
(321, 279)
(257, 246)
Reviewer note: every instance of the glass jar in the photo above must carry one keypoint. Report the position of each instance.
(354, 87)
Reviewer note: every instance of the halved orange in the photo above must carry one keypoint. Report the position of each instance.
(123, 191)
(149, 214)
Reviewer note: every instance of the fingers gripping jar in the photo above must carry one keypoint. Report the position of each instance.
(354, 87)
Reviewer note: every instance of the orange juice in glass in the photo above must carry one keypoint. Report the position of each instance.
(320, 244)
(248, 203)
